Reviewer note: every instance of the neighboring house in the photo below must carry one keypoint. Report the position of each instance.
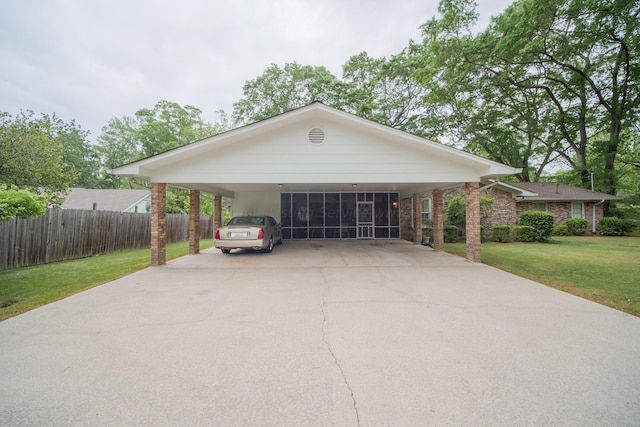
(562, 200)
(108, 200)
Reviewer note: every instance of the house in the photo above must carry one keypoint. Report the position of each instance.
(324, 173)
(108, 200)
(564, 201)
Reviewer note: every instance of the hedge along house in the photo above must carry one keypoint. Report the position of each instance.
(324, 173)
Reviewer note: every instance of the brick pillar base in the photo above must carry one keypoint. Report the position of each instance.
(417, 220)
(158, 223)
(472, 198)
(194, 222)
(438, 219)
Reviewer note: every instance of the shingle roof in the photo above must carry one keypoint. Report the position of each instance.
(105, 200)
(558, 191)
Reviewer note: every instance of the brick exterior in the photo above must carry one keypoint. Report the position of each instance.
(194, 222)
(217, 212)
(505, 210)
(437, 206)
(158, 224)
(472, 198)
(417, 220)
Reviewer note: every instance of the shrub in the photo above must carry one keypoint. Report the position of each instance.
(611, 226)
(576, 226)
(501, 233)
(542, 223)
(524, 233)
(451, 233)
(561, 230)
(17, 203)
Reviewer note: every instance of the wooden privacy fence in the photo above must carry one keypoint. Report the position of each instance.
(63, 234)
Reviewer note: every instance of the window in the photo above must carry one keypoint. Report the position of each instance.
(539, 207)
(425, 211)
(577, 210)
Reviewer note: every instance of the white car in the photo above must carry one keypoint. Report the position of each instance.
(249, 232)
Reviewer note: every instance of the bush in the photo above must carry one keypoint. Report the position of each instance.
(542, 223)
(525, 233)
(576, 226)
(501, 233)
(16, 203)
(611, 226)
(561, 230)
(451, 233)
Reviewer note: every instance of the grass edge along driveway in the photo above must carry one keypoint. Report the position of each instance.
(23, 289)
(602, 269)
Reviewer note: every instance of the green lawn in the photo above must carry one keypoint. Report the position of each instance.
(23, 289)
(602, 269)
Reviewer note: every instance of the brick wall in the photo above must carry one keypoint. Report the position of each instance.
(158, 223)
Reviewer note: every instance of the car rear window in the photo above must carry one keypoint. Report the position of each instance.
(247, 220)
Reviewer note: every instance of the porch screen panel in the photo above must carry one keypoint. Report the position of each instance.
(332, 215)
(285, 215)
(316, 216)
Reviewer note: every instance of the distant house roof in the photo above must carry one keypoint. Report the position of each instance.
(105, 200)
(553, 192)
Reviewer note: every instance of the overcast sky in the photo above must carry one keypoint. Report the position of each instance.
(92, 60)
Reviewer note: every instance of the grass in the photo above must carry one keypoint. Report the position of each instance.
(603, 269)
(23, 289)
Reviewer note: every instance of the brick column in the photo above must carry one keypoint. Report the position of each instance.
(472, 198)
(437, 203)
(158, 223)
(417, 220)
(217, 212)
(194, 222)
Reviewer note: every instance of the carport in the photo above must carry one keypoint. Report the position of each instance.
(324, 173)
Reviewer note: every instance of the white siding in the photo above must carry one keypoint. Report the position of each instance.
(345, 156)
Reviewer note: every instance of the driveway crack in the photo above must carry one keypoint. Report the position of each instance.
(333, 355)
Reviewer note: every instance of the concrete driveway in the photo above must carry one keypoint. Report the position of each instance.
(321, 334)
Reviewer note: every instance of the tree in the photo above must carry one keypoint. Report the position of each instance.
(547, 79)
(151, 131)
(32, 153)
(386, 91)
(585, 56)
(279, 90)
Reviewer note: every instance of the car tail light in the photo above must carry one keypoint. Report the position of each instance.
(218, 234)
(261, 234)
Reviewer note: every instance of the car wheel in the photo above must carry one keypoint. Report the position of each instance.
(269, 248)
(226, 251)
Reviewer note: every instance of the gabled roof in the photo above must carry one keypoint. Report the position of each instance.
(553, 191)
(105, 200)
(314, 148)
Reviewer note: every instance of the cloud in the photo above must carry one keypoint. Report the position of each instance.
(95, 60)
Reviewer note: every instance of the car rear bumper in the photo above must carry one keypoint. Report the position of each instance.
(241, 244)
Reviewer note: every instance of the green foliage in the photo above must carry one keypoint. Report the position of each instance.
(455, 212)
(279, 90)
(451, 233)
(542, 223)
(33, 150)
(16, 203)
(576, 226)
(611, 226)
(524, 233)
(561, 230)
(501, 233)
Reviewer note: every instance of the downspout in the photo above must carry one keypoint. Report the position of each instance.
(593, 212)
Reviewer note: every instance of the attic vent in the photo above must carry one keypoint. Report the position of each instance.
(317, 136)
